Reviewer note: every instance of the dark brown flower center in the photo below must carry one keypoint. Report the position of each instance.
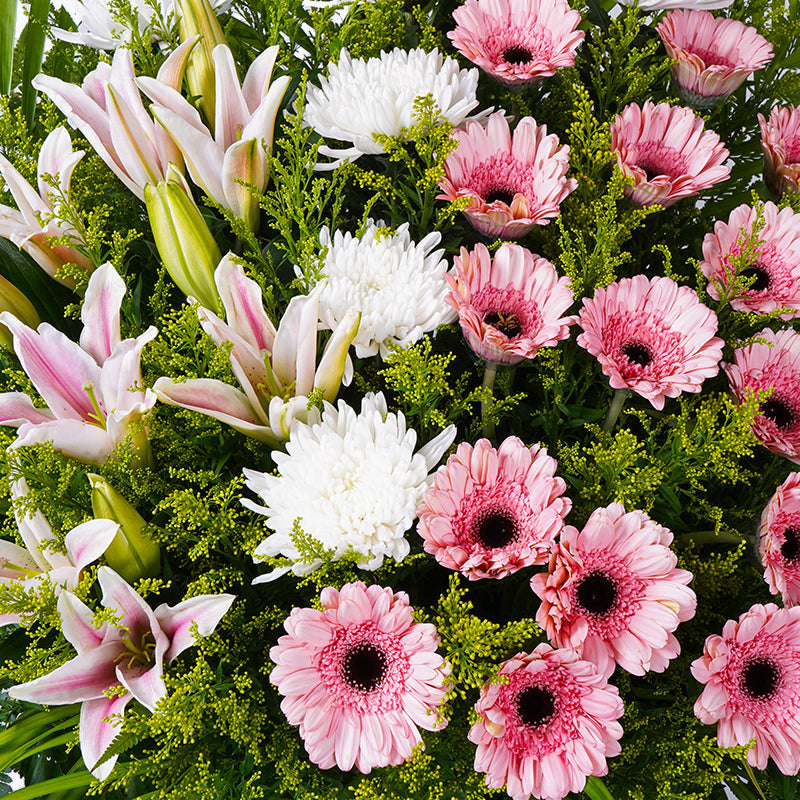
(517, 55)
(364, 667)
(596, 593)
(505, 194)
(638, 353)
(779, 411)
(790, 549)
(508, 324)
(495, 528)
(535, 706)
(759, 678)
(762, 279)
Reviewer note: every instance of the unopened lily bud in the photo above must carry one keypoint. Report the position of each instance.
(331, 369)
(15, 302)
(197, 17)
(183, 239)
(132, 554)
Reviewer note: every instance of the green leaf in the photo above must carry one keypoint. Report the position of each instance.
(596, 790)
(34, 53)
(49, 787)
(8, 21)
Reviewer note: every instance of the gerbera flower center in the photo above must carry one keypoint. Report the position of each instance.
(509, 324)
(364, 666)
(535, 706)
(597, 593)
(656, 159)
(779, 411)
(759, 678)
(790, 549)
(711, 58)
(638, 353)
(504, 194)
(762, 277)
(517, 55)
(495, 528)
(793, 150)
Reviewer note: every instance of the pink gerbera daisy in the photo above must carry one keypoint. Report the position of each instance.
(491, 512)
(774, 364)
(780, 141)
(779, 541)
(752, 685)
(510, 305)
(652, 336)
(513, 183)
(517, 41)
(711, 56)
(552, 722)
(775, 269)
(667, 152)
(613, 593)
(359, 677)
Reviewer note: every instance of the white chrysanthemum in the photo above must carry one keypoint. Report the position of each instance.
(397, 285)
(352, 480)
(362, 97)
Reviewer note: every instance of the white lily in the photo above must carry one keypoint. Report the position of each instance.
(277, 370)
(92, 404)
(33, 222)
(243, 129)
(128, 659)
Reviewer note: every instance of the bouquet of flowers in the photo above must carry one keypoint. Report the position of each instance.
(400, 399)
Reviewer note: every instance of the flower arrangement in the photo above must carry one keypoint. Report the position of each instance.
(400, 400)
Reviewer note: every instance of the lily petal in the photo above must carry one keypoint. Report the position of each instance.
(334, 359)
(100, 312)
(170, 73)
(15, 561)
(96, 735)
(230, 109)
(57, 158)
(17, 409)
(86, 542)
(204, 610)
(121, 372)
(137, 616)
(245, 161)
(294, 355)
(258, 78)
(88, 443)
(147, 686)
(77, 624)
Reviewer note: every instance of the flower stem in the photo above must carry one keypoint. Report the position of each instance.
(751, 775)
(489, 374)
(616, 407)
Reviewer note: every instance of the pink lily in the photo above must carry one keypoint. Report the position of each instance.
(91, 406)
(243, 129)
(36, 221)
(84, 544)
(277, 370)
(128, 660)
(107, 109)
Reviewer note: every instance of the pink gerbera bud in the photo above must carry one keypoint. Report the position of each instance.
(652, 336)
(779, 541)
(774, 267)
(773, 363)
(513, 182)
(752, 682)
(549, 724)
(491, 512)
(668, 153)
(517, 41)
(711, 56)
(359, 677)
(780, 141)
(510, 305)
(613, 592)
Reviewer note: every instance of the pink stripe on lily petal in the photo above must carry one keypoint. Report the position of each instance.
(84, 677)
(96, 735)
(100, 312)
(77, 623)
(86, 542)
(147, 686)
(17, 408)
(121, 372)
(205, 610)
(170, 73)
(137, 616)
(231, 112)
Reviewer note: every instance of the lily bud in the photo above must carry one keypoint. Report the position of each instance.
(131, 553)
(183, 239)
(334, 359)
(15, 302)
(197, 17)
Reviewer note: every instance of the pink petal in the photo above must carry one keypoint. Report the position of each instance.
(88, 443)
(86, 542)
(96, 735)
(147, 686)
(258, 78)
(205, 611)
(137, 616)
(294, 355)
(17, 408)
(121, 371)
(231, 113)
(57, 158)
(77, 623)
(100, 312)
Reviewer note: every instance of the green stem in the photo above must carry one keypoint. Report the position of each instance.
(616, 407)
(489, 375)
(708, 537)
(752, 776)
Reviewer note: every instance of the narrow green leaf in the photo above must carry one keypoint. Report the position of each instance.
(49, 787)
(34, 53)
(596, 790)
(8, 21)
